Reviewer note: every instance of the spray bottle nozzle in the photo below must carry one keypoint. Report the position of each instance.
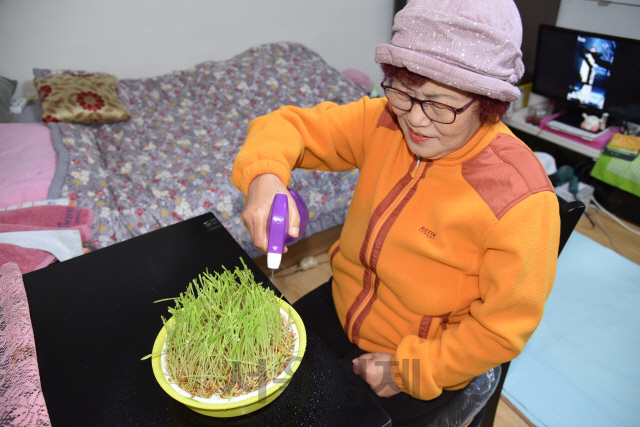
(277, 229)
(278, 226)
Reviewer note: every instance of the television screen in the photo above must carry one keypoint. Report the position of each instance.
(593, 61)
(588, 72)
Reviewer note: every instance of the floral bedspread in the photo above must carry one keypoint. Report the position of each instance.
(172, 160)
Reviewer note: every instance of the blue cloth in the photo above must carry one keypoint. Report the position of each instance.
(581, 366)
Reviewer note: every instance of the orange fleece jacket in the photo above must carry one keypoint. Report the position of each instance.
(445, 264)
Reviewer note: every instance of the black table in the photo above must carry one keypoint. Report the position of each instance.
(94, 318)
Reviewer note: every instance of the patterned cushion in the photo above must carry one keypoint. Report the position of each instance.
(80, 98)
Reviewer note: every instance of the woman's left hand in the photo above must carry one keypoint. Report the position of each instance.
(375, 369)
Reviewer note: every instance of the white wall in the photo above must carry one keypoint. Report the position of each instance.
(145, 38)
(616, 19)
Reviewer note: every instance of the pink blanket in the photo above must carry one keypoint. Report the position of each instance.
(41, 218)
(27, 163)
(21, 400)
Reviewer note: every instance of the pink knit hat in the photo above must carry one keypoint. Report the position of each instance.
(472, 45)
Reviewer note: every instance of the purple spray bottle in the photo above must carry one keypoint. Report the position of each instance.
(278, 226)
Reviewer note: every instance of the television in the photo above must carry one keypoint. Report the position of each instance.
(584, 72)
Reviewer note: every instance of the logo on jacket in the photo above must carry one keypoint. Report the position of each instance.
(430, 234)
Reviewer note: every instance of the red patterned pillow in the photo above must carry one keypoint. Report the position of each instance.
(80, 98)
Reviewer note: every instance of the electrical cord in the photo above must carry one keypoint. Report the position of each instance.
(594, 204)
(599, 206)
(613, 245)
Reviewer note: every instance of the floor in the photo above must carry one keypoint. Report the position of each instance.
(306, 266)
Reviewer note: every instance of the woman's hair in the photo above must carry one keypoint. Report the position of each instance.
(491, 110)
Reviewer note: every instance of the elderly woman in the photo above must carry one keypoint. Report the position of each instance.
(448, 252)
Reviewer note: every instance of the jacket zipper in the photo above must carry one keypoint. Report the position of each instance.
(415, 175)
(415, 170)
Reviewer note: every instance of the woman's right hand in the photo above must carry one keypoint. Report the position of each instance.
(255, 215)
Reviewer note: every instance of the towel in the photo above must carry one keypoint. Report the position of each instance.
(63, 244)
(48, 218)
(61, 202)
(27, 259)
(41, 218)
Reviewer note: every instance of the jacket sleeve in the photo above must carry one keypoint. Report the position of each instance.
(515, 278)
(327, 137)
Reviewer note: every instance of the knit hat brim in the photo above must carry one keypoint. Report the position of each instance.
(446, 74)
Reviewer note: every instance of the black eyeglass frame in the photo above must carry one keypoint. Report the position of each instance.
(423, 102)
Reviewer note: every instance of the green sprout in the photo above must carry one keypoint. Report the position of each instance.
(227, 337)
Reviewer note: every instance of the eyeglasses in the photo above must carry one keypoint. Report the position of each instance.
(435, 111)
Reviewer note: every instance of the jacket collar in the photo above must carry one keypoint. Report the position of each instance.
(478, 142)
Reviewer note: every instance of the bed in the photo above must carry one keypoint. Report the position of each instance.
(171, 159)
